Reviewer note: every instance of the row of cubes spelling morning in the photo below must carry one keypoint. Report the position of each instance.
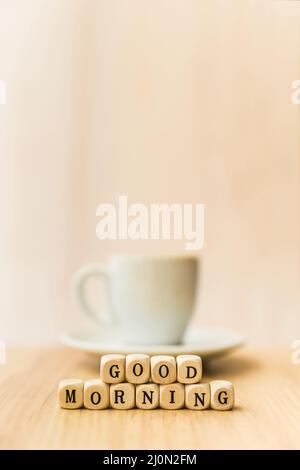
(136, 380)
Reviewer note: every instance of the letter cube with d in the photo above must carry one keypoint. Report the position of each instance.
(189, 369)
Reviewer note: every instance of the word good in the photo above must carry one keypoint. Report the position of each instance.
(136, 380)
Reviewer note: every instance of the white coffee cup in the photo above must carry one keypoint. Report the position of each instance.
(150, 299)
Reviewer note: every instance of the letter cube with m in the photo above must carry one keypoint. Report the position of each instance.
(70, 393)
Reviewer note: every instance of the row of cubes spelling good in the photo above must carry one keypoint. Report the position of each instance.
(147, 383)
(140, 369)
(95, 394)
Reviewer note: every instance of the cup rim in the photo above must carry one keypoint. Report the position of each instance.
(154, 257)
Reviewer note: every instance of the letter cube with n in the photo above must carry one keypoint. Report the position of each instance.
(147, 396)
(189, 369)
(197, 396)
(112, 368)
(70, 393)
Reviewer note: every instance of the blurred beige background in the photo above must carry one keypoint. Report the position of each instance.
(163, 101)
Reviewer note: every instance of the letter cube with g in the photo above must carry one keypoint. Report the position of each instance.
(112, 368)
(222, 395)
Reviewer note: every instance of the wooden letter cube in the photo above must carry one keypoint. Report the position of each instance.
(70, 393)
(197, 396)
(147, 396)
(171, 396)
(95, 394)
(189, 369)
(122, 396)
(163, 369)
(112, 368)
(137, 368)
(222, 395)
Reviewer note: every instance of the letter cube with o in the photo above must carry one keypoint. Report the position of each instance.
(137, 368)
(112, 368)
(189, 369)
(95, 394)
(163, 369)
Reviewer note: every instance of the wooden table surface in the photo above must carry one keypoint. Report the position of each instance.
(267, 413)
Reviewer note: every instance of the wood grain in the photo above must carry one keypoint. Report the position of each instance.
(267, 414)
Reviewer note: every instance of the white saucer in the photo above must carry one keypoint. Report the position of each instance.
(208, 342)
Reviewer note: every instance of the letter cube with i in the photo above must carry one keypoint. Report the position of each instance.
(171, 396)
(112, 368)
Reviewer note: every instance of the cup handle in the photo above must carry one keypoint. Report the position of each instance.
(79, 282)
